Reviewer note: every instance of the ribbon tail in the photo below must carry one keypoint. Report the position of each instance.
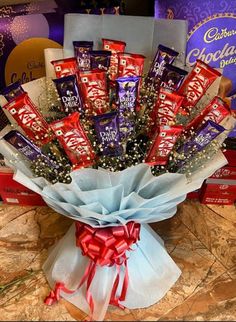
(125, 283)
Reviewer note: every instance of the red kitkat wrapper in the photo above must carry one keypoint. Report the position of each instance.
(29, 119)
(196, 84)
(168, 106)
(217, 110)
(115, 46)
(94, 90)
(130, 64)
(163, 144)
(65, 67)
(74, 140)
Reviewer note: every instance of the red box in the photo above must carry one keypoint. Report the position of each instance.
(194, 194)
(231, 157)
(220, 185)
(218, 191)
(225, 172)
(216, 199)
(13, 192)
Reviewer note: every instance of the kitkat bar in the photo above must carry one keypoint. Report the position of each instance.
(163, 144)
(130, 64)
(115, 46)
(74, 140)
(29, 119)
(93, 86)
(168, 106)
(217, 110)
(196, 84)
(65, 67)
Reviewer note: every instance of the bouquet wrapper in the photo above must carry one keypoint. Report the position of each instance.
(100, 198)
(152, 273)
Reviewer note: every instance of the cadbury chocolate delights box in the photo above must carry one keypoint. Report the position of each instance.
(212, 31)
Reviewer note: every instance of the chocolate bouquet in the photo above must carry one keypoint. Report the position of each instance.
(115, 149)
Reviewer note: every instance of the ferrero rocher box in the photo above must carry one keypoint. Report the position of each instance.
(212, 31)
(25, 31)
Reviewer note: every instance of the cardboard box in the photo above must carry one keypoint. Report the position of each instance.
(12, 192)
(215, 199)
(218, 191)
(225, 173)
(220, 186)
(230, 156)
(194, 194)
(211, 35)
(25, 31)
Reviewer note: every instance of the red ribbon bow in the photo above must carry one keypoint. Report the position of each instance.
(104, 246)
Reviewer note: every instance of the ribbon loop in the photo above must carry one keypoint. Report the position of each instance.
(104, 247)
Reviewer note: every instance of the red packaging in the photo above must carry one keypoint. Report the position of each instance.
(216, 191)
(216, 199)
(130, 64)
(225, 172)
(65, 67)
(168, 106)
(13, 192)
(94, 90)
(217, 110)
(29, 119)
(74, 140)
(221, 186)
(230, 156)
(115, 46)
(196, 84)
(163, 144)
(194, 194)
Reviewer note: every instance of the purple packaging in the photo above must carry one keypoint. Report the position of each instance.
(211, 27)
(172, 77)
(127, 92)
(12, 91)
(107, 132)
(164, 55)
(100, 59)
(207, 133)
(23, 39)
(81, 50)
(26, 147)
(69, 92)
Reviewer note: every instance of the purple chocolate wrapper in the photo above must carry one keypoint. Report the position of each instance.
(12, 91)
(211, 27)
(25, 146)
(127, 91)
(69, 92)
(207, 133)
(172, 77)
(107, 132)
(100, 59)
(81, 49)
(164, 55)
